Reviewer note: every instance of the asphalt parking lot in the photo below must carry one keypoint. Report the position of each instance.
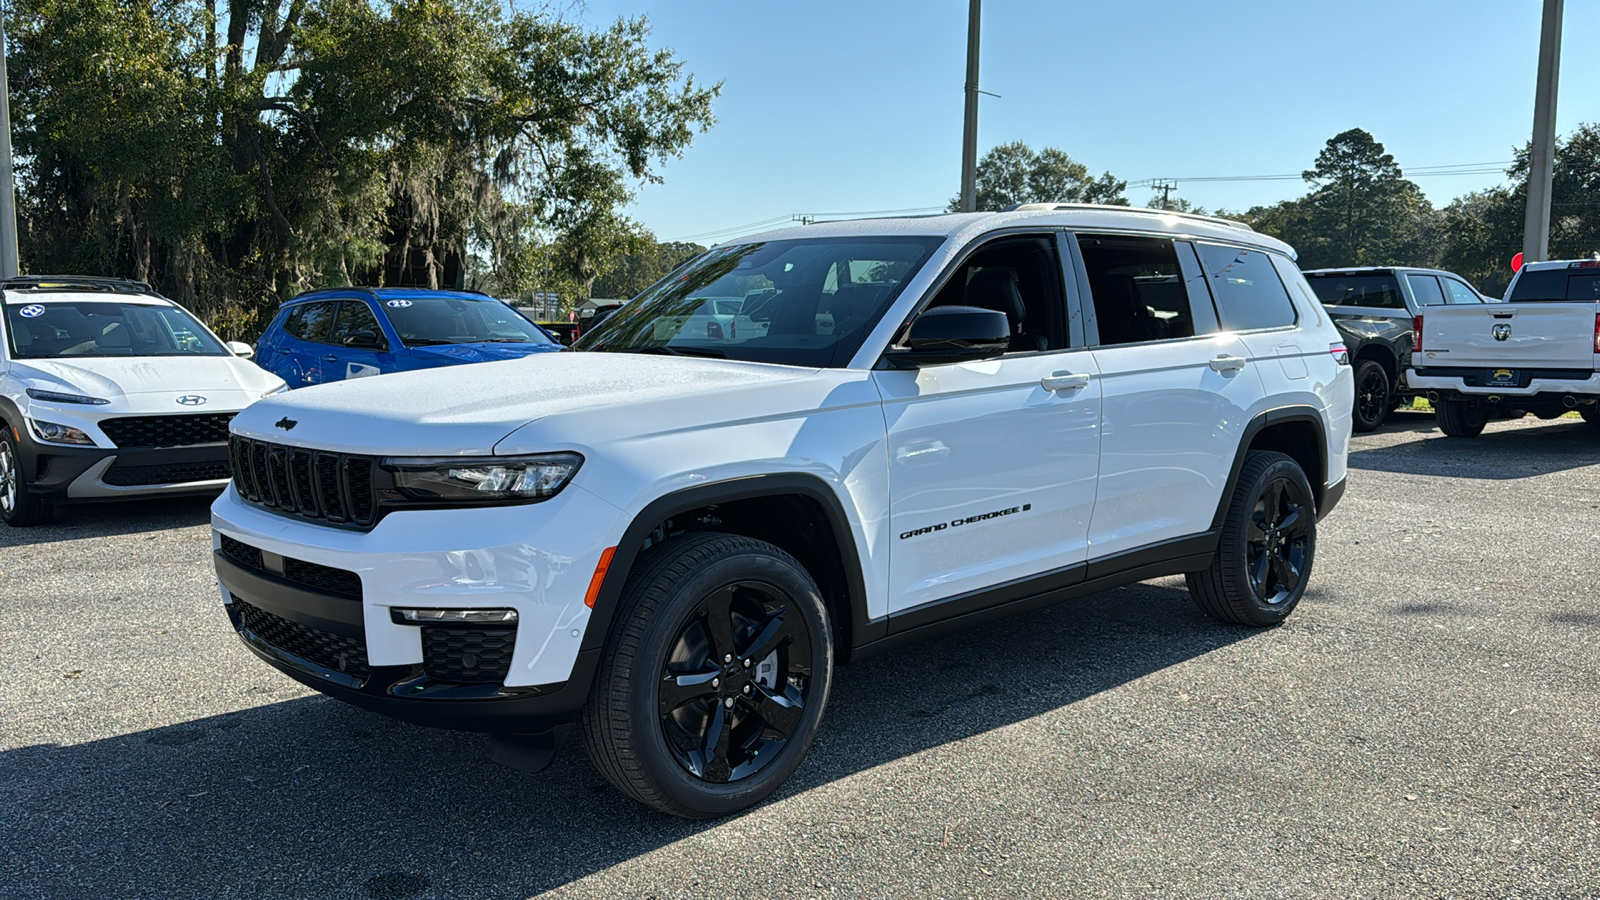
(1426, 725)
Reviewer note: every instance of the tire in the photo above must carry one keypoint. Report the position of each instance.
(655, 742)
(1590, 413)
(1461, 418)
(19, 507)
(1268, 543)
(1373, 396)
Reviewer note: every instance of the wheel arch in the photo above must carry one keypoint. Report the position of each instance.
(797, 512)
(1383, 355)
(1298, 431)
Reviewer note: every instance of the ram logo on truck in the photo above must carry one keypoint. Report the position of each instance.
(1501, 332)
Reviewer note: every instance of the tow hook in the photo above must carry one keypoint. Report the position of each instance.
(530, 752)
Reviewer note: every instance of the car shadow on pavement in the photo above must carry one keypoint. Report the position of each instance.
(310, 797)
(75, 521)
(1498, 454)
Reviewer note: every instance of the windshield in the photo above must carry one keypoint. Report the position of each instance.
(421, 321)
(1382, 291)
(86, 328)
(800, 302)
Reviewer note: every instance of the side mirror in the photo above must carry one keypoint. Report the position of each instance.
(364, 338)
(241, 349)
(949, 334)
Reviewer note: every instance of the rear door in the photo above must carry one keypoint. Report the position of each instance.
(1177, 390)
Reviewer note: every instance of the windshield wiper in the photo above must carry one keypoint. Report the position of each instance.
(426, 342)
(664, 350)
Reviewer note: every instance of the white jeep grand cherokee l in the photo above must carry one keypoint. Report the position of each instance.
(674, 534)
(109, 391)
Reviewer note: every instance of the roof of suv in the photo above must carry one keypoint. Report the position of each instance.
(1044, 215)
(1591, 262)
(78, 288)
(1376, 270)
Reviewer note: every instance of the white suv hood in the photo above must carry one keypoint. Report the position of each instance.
(466, 410)
(150, 382)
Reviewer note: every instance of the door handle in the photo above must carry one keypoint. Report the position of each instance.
(1064, 381)
(1226, 363)
(330, 358)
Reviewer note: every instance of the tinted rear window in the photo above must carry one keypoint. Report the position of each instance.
(1249, 292)
(1556, 284)
(1381, 291)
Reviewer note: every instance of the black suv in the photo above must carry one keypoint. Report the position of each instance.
(1376, 310)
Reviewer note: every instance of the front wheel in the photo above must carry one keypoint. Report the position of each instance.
(1264, 555)
(1461, 418)
(18, 506)
(715, 676)
(1373, 400)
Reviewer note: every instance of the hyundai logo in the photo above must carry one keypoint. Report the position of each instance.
(1501, 332)
(192, 400)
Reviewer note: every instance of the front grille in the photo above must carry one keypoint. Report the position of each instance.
(313, 575)
(174, 473)
(333, 487)
(168, 431)
(331, 651)
(467, 655)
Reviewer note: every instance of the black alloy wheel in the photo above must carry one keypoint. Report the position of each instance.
(735, 685)
(1373, 399)
(1264, 554)
(714, 677)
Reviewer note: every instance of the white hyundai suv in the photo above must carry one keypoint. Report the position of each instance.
(673, 534)
(109, 391)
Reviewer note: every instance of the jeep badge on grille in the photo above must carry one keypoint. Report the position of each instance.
(286, 423)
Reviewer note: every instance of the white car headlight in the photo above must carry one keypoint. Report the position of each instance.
(60, 397)
(51, 433)
(495, 479)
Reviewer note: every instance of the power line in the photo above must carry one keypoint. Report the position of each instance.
(1483, 168)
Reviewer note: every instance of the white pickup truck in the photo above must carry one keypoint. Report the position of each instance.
(1537, 353)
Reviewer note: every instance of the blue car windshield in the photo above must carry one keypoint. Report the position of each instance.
(809, 302)
(424, 321)
(75, 329)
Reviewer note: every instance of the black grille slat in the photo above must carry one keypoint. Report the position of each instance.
(331, 651)
(172, 473)
(333, 487)
(467, 655)
(324, 578)
(167, 431)
(241, 552)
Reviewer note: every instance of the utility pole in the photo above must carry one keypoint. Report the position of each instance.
(1541, 162)
(9, 263)
(969, 134)
(1165, 187)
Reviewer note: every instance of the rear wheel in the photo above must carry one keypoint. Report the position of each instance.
(1269, 538)
(713, 682)
(1373, 400)
(1590, 413)
(1461, 418)
(18, 506)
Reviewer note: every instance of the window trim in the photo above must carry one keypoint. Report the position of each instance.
(959, 261)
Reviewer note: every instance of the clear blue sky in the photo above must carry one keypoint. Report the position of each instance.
(832, 106)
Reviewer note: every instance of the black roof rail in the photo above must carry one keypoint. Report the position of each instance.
(371, 291)
(76, 283)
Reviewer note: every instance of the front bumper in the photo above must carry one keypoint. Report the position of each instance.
(103, 473)
(340, 637)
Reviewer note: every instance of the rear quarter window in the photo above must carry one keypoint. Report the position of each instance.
(1375, 291)
(1556, 284)
(1249, 293)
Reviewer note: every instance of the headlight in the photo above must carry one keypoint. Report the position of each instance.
(52, 433)
(525, 479)
(59, 397)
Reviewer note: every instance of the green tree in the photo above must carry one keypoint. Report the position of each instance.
(1014, 173)
(240, 153)
(645, 266)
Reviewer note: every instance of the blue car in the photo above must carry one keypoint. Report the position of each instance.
(344, 333)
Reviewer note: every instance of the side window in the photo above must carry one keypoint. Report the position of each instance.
(1456, 292)
(309, 321)
(1249, 293)
(1426, 289)
(1142, 290)
(1019, 276)
(355, 315)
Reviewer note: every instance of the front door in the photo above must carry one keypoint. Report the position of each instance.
(992, 464)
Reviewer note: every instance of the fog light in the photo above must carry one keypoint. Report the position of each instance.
(454, 616)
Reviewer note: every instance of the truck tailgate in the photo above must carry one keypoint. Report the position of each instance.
(1518, 335)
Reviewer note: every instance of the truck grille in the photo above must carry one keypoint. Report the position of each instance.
(331, 651)
(467, 655)
(333, 487)
(313, 575)
(168, 431)
(175, 473)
